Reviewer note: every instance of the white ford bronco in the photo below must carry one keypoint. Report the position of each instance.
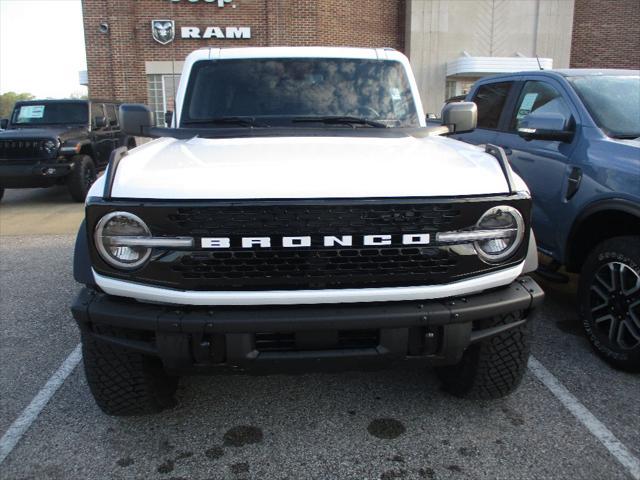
(297, 215)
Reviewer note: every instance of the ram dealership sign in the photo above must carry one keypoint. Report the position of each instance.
(164, 31)
(215, 32)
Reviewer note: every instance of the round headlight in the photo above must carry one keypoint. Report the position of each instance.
(511, 225)
(115, 226)
(50, 146)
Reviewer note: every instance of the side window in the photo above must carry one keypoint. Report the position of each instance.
(540, 97)
(490, 99)
(112, 117)
(97, 110)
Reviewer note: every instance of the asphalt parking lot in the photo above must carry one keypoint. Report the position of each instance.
(394, 424)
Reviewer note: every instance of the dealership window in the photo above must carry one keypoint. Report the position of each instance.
(456, 88)
(162, 93)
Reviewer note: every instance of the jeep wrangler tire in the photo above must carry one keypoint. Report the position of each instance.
(124, 382)
(492, 368)
(609, 301)
(81, 177)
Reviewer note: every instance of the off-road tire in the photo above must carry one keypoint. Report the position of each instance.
(81, 177)
(492, 368)
(124, 382)
(603, 318)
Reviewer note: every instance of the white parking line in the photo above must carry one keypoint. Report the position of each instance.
(584, 416)
(18, 428)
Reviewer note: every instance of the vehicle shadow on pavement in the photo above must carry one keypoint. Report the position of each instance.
(58, 194)
(561, 299)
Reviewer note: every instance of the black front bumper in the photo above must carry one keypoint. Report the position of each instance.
(39, 173)
(292, 337)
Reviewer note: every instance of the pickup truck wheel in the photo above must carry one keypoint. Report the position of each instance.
(492, 368)
(124, 382)
(81, 177)
(609, 301)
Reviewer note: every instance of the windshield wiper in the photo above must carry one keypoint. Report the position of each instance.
(340, 120)
(239, 121)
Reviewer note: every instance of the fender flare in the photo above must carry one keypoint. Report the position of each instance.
(619, 204)
(531, 261)
(73, 147)
(82, 272)
(74, 142)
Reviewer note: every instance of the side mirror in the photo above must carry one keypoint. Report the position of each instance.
(168, 118)
(545, 126)
(99, 122)
(4, 123)
(135, 119)
(461, 117)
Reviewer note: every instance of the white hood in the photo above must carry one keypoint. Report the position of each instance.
(306, 167)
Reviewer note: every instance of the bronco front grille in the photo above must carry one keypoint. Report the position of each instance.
(313, 267)
(333, 268)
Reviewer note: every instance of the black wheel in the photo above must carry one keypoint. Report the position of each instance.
(1, 193)
(492, 368)
(81, 177)
(609, 301)
(124, 382)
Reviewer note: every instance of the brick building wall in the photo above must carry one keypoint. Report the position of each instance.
(606, 34)
(116, 60)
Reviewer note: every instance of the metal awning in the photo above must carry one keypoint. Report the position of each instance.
(468, 66)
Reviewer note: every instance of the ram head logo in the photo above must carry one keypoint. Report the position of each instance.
(163, 31)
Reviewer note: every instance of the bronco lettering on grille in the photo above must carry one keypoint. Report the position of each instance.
(326, 241)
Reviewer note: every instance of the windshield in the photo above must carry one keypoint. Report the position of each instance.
(284, 91)
(613, 101)
(50, 114)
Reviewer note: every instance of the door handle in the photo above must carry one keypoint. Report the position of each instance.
(573, 181)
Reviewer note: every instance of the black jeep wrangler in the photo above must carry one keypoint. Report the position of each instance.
(53, 142)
